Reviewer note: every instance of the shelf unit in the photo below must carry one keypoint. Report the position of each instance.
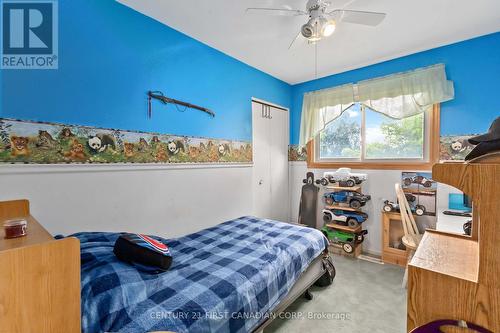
(337, 248)
(392, 230)
(356, 188)
(453, 276)
(343, 208)
(343, 227)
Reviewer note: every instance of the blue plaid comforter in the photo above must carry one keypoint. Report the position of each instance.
(223, 279)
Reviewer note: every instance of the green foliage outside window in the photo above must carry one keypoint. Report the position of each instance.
(386, 138)
(402, 139)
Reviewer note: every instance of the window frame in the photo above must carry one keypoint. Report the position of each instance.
(431, 152)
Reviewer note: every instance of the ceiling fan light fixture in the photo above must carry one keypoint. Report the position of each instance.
(314, 39)
(307, 30)
(323, 20)
(328, 28)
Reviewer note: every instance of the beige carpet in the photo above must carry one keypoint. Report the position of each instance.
(364, 297)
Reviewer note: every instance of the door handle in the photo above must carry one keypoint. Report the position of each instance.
(261, 182)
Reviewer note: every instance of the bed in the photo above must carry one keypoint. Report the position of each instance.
(228, 278)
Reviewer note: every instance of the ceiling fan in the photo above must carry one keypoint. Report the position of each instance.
(322, 19)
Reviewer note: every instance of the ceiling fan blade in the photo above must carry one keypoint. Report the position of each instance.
(358, 17)
(293, 41)
(276, 11)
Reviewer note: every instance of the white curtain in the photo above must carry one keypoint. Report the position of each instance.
(322, 106)
(398, 96)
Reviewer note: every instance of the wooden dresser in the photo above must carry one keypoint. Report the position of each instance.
(39, 278)
(458, 277)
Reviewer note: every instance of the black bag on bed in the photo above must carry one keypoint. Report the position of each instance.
(146, 253)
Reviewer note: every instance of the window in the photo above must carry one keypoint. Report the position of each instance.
(341, 139)
(364, 138)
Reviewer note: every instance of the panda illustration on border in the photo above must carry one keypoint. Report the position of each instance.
(223, 149)
(175, 146)
(100, 143)
(460, 145)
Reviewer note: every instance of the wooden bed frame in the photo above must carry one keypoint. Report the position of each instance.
(40, 279)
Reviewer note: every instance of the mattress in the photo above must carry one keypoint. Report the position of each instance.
(227, 278)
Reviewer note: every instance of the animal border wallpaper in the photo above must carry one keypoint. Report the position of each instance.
(297, 153)
(48, 143)
(452, 147)
(455, 147)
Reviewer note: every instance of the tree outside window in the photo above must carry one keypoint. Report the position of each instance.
(363, 134)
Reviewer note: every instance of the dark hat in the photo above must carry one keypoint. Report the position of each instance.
(493, 133)
(483, 148)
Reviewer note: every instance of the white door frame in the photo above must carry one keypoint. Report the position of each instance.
(258, 100)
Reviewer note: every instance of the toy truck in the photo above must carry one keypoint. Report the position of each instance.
(346, 239)
(418, 209)
(352, 219)
(344, 177)
(353, 199)
(420, 180)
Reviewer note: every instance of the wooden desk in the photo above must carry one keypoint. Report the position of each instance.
(453, 276)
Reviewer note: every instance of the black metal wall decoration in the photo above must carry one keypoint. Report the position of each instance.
(167, 100)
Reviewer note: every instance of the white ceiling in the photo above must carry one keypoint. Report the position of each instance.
(262, 41)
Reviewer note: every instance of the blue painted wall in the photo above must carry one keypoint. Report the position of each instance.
(111, 55)
(473, 65)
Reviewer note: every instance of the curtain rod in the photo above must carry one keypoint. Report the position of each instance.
(402, 73)
(376, 78)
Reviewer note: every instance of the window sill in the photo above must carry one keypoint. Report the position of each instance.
(389, 165)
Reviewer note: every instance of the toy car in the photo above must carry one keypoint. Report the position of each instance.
(468, 227)
(395, 207)
(346, 239)
(410, 197)
(421, 180)
(352, 219)
(344, 177)
(390, 206)
(353, 199)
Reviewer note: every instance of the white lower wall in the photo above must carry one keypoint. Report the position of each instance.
(169, 201)
(163, 200)
(380, 185)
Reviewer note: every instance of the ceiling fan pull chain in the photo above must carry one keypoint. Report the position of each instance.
(316, 60)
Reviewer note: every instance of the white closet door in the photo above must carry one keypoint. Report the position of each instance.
(270, 159)
(261, 162)
(278, 141)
